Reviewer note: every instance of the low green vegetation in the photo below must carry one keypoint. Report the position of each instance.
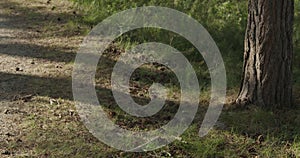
(225, 21)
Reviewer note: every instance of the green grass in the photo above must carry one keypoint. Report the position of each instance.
(225, 20)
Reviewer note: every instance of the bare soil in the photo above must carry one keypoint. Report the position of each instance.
(37, 47)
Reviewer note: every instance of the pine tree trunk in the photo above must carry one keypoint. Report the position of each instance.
(267, 76)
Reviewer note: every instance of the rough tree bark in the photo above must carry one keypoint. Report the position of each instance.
(267, 76)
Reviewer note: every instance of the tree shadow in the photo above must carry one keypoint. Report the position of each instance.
(50, 53)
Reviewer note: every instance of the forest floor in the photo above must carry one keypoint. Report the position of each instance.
(38, 44)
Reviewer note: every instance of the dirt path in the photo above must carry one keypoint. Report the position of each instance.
(37, 46)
